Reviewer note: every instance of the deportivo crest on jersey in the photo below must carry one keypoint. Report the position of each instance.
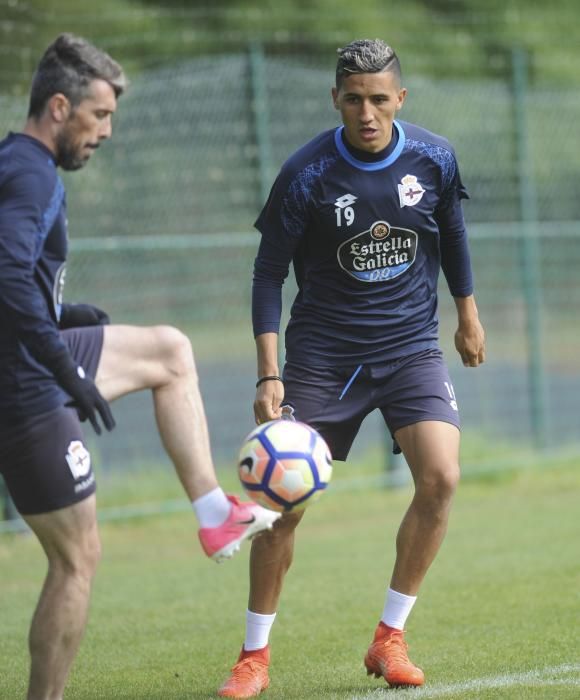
(410, 191)
(78, 459)
(381, 253)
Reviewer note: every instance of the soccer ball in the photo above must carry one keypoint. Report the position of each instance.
(284, 465)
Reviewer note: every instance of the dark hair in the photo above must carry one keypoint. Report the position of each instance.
(68, 66)
(366, 56)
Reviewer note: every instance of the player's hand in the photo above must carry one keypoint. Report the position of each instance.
(86, 398)
(269, 396)
(470, 342)
(77, 315)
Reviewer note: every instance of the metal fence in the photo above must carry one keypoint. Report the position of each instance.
(201, 283)
(161, 228)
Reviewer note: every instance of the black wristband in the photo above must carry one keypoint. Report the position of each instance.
(270, 378)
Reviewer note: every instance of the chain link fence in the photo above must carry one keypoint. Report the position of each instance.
(161, 232)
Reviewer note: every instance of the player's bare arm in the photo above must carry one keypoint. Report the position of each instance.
(269, 393)
(470, 335)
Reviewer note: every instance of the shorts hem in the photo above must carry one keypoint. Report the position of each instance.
(437, 419)
(44, 510)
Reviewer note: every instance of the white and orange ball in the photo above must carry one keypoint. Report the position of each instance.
(284, 465)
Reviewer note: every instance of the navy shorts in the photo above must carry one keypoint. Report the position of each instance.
(43, 459)
(335, 401)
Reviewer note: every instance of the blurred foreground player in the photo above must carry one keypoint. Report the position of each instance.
(368, 213)
(59, 362)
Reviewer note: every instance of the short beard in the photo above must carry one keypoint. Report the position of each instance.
(67, 155)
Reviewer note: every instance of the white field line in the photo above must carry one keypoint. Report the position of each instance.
(566, 675)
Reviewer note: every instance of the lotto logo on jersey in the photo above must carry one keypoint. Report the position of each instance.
(381, 253)
(344, 211)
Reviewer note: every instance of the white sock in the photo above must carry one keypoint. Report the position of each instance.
(257, 630)
(397, 609)
(212, 509)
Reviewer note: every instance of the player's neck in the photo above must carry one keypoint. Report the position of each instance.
(37, 131)
(368, 157)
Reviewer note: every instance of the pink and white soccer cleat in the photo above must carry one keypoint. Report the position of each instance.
(244, 522)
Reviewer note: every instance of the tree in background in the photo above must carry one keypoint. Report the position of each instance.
(455, 38)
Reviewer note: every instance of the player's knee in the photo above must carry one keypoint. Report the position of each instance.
(88, 558)
(440, 484)
(93, 556)
(176, 351)
(79, 560)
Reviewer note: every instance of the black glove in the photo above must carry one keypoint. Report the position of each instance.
(86, 398)
(76, 315)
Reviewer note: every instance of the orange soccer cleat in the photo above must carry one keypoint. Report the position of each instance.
(387, 657)
(249, 677)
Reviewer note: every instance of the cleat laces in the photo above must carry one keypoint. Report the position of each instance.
(397, 649)
(246, 670)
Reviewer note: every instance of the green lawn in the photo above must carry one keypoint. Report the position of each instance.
(498, 616)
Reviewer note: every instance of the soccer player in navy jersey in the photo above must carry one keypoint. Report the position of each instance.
(367, 213)
(63, 362)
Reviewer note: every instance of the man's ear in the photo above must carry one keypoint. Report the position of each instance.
(334, 93)
(401, 98)
(59, 107)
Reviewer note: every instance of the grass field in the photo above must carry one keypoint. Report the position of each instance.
(498, 616)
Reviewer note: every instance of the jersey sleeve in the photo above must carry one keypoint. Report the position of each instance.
(455, 257)
(282, 223)
(29, 203)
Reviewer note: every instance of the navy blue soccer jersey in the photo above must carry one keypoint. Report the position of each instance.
(33, 249)
(367, 235)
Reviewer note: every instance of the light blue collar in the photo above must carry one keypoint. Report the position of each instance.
(375, 165)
